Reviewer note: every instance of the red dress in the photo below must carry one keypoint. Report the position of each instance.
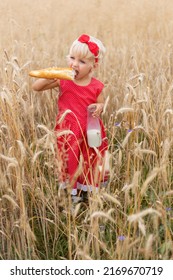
(72, 147)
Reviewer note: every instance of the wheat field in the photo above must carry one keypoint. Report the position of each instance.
(133, 217)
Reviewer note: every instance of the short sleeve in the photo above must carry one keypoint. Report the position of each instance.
(100, 87)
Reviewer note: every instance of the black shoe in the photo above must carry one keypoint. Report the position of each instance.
(84, 196)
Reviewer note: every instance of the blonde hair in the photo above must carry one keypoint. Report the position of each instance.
(83, 51)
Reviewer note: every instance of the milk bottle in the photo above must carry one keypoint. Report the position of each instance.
(93, 128)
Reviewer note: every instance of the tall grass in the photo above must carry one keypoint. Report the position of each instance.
(133, 217)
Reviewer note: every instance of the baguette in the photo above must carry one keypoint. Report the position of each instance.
(54, 73)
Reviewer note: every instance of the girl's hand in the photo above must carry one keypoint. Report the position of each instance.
(98, 110)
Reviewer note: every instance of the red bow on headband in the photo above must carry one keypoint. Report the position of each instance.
(91, 45)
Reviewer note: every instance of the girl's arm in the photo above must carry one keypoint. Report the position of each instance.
(44, 84)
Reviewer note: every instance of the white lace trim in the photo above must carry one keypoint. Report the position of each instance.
(74, 192)
(86, 188)
(82, 187)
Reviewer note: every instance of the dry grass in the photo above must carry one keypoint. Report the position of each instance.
(133, 218)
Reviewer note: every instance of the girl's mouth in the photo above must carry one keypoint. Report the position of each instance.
(76, 74)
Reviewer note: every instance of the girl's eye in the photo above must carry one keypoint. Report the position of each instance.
(82, 61)
(71, 57)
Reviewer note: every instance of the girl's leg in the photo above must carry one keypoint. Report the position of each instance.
(73, 162)
(69, 151)
(94, 171)
(62, 160)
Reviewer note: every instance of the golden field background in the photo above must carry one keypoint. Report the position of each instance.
(133, 217)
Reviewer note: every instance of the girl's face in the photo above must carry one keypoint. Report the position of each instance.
(82, 66)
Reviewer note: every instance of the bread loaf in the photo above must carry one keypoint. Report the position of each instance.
(54, 73)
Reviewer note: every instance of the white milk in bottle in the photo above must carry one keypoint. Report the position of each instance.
(93, 128)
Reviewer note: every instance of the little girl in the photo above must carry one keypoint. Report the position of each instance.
(82, 167)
